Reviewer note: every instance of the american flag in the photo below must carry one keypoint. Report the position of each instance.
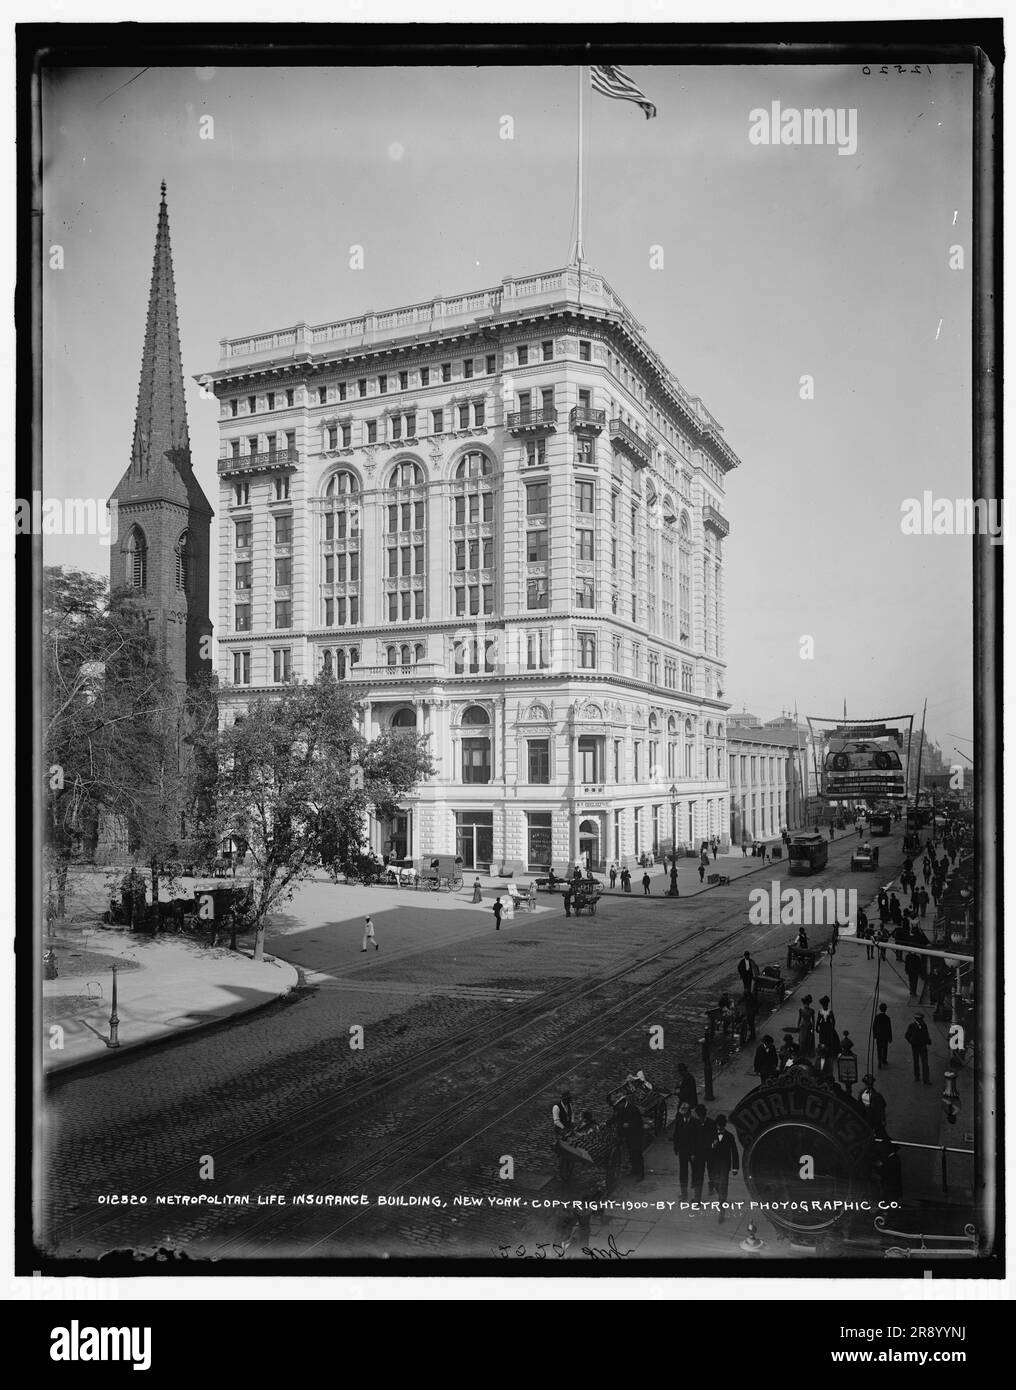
(615, 82)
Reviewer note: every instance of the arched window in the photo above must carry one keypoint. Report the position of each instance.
(420, 651)
(404, 654)
(476, 746)
(326, 662)
(671, 725)
(340, 664)
(393, 656)
(406, 474)
(709, 729)
(183, 563)
(654, 723)
(474, 465)
(340, 550)
(137, 559)
(404, 719)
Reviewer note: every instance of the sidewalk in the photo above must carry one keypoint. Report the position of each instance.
(166, 985)
(914, 1114)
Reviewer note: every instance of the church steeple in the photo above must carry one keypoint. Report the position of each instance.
(164, 518)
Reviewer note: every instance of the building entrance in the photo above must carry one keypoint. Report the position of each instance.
(474, 839)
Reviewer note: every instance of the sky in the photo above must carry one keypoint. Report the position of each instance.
(779, 262)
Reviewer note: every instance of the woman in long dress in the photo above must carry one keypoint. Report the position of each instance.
(806, 1027)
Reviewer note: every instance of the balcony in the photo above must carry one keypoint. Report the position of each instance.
(275, 461)
(626, 441)
(532, 421)
(582, 418)
(715, 520)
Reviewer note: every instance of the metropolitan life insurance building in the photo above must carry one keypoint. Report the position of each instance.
(499, 517)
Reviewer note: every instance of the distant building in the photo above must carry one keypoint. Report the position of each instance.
(498, 515)
(767, 773)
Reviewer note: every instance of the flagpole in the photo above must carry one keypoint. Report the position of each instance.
(578, 239)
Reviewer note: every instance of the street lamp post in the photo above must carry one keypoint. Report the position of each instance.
(114, 1021)
(673, 891)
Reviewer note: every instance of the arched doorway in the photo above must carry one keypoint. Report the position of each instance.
(589, 845)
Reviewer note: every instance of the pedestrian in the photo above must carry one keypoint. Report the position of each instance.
(531, 895)
(881, 937)
(882, 1031)
(562, 1116)
(626, 879)
(748, 1014)
(685, 1136)
(873, 1103)
(702, 1143)
(767, 1061)
(477, 891)
(722, 1160)
(806, 1027)
(630, 1127)
(645, 885)
(789, 1050)
(613, 875)
(802, 941)
(865, 933)
(716, 848)
(747, 970)
(701, 871)
(912, 966)
(919, 1038)
(368, 935)
(687, 1087)
(895, 911)
(825, 1027)
(567, 899)
(744, 849)
(922, 901)
(926, 869)
(498, 909)
(832, 834)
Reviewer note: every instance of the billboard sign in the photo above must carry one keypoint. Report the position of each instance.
(864, 760)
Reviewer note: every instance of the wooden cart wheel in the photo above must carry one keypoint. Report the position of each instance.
(612, 1170)
(660, 1117)
(456, 882)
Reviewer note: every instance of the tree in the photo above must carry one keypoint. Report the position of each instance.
(296, 779)
(125, 745)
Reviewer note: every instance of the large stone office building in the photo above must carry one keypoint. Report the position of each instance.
(500, 517)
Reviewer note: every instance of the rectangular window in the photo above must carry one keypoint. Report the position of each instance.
(283, 613)
(242, 617)
(371, 431)
(491, 364)
(271, 400)
(241, 668)
(252, 445)
(282, 489)
(407, 609)
(585, 350)
(583, 545)
(361, 387)
(393, 518)
(418, 603)
(547, 398)
(329, 612)
(234, 407)
(446, 371)
(417, 559)
(333, 437)
(282, 664)
(548, 351)
(463, 417)
(330, 568)
(418, 516)
(536, 593)
(488, 506)
(437, 416)
(347, 435)
(403, 381)
(474, 598)
(488, 598)
(585, 593)
(407, 513)
(410, 426)
(479, 414)
(460, 511)
(234, 448)
(536, 651)
(523, 356)
(382, 385)
(617, 760)
(393, 563)
(487, 559)
(536, 499)
(539, 761)
(243, 571)
(396, 426)
(252, 405)
(476, 760)
(393, 608)
(407, 560)
(283, 572)
(467, 368)
(342, 390)
(241, 494)
(460, 602)
(283, 530)
(589, 760)
(536, 453)
(539, 841)
(424, 376)
(243, 535)
(587, 651)
(584, 497)
(474, 554)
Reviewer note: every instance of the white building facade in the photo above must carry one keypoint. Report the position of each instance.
(499, 517)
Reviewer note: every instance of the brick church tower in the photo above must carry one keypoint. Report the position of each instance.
(164, 519)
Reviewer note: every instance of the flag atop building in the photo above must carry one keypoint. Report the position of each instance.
(615, 82)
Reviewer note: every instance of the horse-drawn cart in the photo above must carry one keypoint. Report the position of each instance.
(650, 1101)
(770, 986)
(441, 872)
(598, 1146)
(585, 896)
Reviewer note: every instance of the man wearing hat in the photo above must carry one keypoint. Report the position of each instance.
(562, 1114)
(873, 1104)
(919, 1038)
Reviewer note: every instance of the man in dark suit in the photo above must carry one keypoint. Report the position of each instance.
(767, 1061)
(748, 972)
(684, 1145)
(872, 1103)
(919, 1038)
(687, 1088)
(702, 1143)
(630, 1127)
(721, 1161)
(882, 1031)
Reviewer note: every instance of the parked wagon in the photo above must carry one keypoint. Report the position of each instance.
(441, 873)
(651, 1101)
(585, 896)
(770, 986)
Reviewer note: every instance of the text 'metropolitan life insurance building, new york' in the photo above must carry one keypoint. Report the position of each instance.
(500, 516)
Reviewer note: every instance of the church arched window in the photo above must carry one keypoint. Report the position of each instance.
(183, 563)
(137, 559)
